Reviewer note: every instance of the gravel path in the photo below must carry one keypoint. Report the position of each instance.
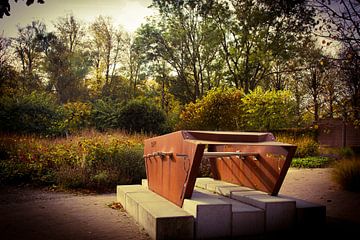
(27, 213)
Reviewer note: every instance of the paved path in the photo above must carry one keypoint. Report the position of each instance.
(27, 213)
(37, 214)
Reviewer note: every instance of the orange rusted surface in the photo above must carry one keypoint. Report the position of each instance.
(250, 159)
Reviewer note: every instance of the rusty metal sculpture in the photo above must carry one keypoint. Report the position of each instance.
(254, 160)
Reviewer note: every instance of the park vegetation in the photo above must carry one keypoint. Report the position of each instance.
(73, 99)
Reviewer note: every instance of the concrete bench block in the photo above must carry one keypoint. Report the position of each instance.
(212, 216)
(213, 186)
(219, 187)
(308, 214)
(122, 190)
(246, 219)
(202, 182)
(144, 183)
(280, 213)
(227, 190)
(164, 220)
(134, 199)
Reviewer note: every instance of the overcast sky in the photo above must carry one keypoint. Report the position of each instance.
(129, 13)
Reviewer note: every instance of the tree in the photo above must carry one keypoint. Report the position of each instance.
(67, 71)
(351, 78)
(340, 22)
(5, 6)
(256, 35)
(70, 31)
(8, 75)
(28, 50)
(184, 38)
(107, 42)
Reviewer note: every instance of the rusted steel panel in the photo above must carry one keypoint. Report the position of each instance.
(264, 172)
(173, 177)
(249, 159)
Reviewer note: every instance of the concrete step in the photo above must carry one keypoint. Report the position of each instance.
(212, 215)
(158, 216)
(280, 213)
(122, 190)
(246, 220)
(165, 220)
(219, 187)
(308, 214)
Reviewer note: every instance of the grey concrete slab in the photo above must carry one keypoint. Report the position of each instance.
(165, 220)
(280, 213)
(122, 190)
(308, 214)
(134, 199)
(212, 216)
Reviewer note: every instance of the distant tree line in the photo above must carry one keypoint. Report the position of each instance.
(193, 47)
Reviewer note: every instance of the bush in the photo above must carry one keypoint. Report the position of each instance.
(220, 109)
(347, 174)
(34, 113)
(91, 160)
(106, 114)
(311, 162)
(306, 146)
(268, 110)
(139, 116)
(77, 116)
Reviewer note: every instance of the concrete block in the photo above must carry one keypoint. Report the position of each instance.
(134, 199)
(308, 214)
(246, 219)
(164, 220)
(202, 182)
(227, 190)
(144, 183)
(280, 213)
(122, 190)
(212, 215)
(212, 186)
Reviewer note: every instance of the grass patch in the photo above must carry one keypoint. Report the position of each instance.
(347, 174)
(311, 162)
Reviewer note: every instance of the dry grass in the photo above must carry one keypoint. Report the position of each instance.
(347, 173)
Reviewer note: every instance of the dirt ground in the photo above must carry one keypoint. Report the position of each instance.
(28, 213)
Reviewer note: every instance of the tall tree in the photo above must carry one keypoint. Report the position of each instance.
(186, 40)
(340, 23)
(256, 35)
(70, 31)
(107, 41)
(8, 75)
(28, 50)
(67, 71)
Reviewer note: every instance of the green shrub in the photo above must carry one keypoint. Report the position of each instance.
(34, 113)
(306, 146)
(268, 110)
(346, 152)
(220, 109)
(311, 162)
(139, 116)
(347, 174)
(105, 114)
(77, 116)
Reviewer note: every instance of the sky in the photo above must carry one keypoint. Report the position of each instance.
(128, 13)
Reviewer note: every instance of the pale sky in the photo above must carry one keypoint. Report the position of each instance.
(128, 13)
